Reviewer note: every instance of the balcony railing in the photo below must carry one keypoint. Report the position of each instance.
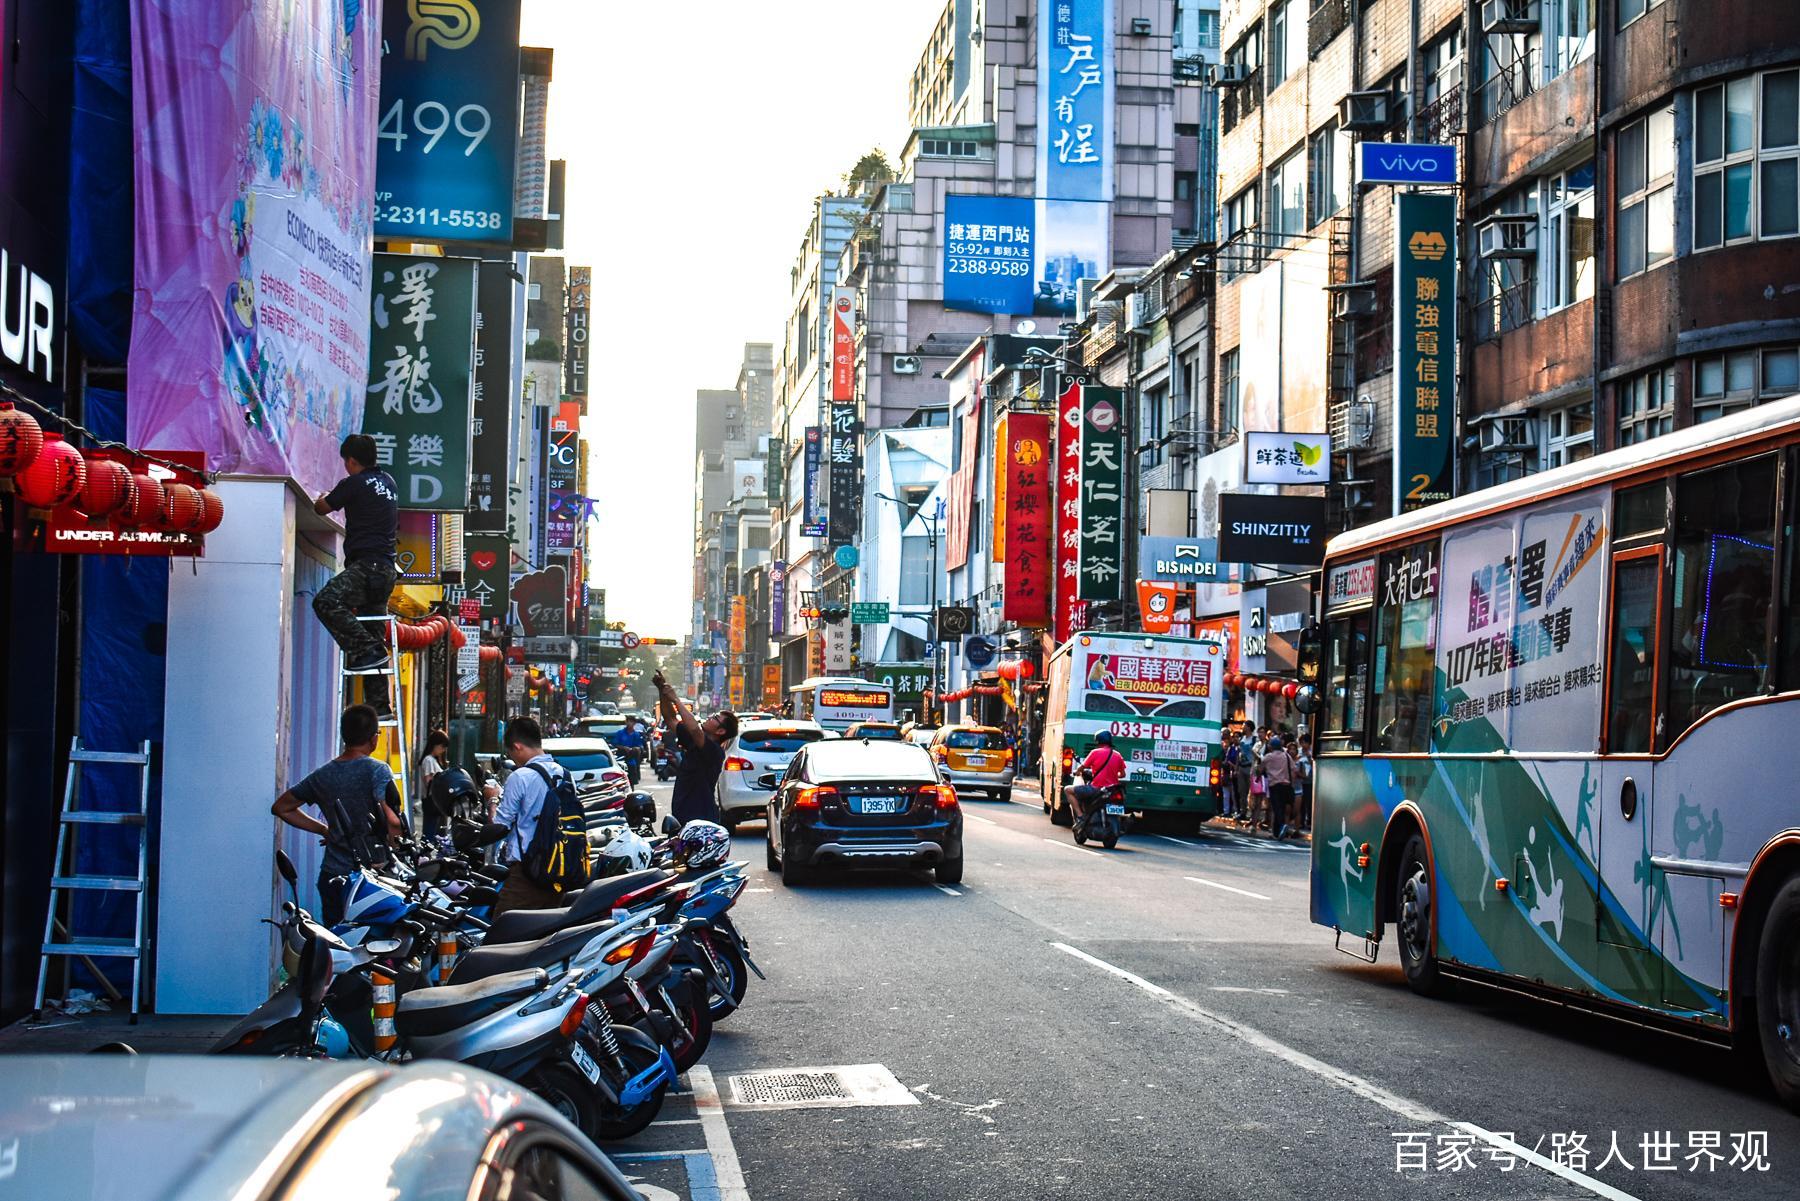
(1509, 85)
(1506, 309)
(1329, 18)
(1240, 101)
(1441, 120)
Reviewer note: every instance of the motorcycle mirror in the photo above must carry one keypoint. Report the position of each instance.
(492, 833)
(285, 866)
(670, 825)
(383, 946)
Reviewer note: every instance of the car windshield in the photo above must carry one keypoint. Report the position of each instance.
(975, 740)
(777, 740)
(885, 733)
(856, 760)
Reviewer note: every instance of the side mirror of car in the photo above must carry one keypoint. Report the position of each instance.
(767, 779)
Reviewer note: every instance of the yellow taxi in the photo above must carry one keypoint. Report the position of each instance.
(975, 759)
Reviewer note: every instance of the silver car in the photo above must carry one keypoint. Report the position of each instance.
(761, 746)
(198, 1128)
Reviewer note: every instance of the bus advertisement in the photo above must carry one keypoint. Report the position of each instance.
(1161, 699)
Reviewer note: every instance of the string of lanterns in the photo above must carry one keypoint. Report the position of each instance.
(1264, 684)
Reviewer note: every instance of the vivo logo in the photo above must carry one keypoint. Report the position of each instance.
(1388, 162)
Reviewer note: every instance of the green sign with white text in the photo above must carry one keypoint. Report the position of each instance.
(421, 397)
(1424, 349)
(1102, 501)
(869, 613)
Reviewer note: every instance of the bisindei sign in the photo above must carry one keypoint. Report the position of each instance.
(1424, 349)
(420, 399)
(1283, 458)
(1179, 559)
(843, 344)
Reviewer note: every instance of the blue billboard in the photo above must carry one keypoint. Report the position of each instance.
(1406, 163)
(989, 264)
(1075, 149)
(449, 121)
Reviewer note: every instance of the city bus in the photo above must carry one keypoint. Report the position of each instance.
(1557, 749)
(1162, 700)
(839, 702)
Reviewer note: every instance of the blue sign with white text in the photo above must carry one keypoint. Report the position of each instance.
(989, 244)
(1405, 163)
(449, 120)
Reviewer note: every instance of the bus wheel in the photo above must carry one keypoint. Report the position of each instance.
(1778, 992)
(1412, 919)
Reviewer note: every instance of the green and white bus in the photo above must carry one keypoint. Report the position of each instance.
(1558, 749)
(1160, 698)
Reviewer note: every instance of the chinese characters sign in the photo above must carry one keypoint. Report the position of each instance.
(1424, 348)
(843, 344)
(421, 377)
(543, 600)
(1280, 458)
(486, 574)
(564, 510)
(449, 120)
(812, 522)
(988, 253)
(845, 451)
(1026, 448)
(575, 354)
(1074, 150)
(1070, 610)
(1149, 676)
(493, 388)
(1102, 491)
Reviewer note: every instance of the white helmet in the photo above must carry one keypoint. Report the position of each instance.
(626, 851)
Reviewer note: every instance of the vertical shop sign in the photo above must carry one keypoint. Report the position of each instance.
(998, 507)
(543, 601)
(1071, 611)
(843, 344)
(778, 595)
(1424, 348)
(493, 387)
(1075, 149)
(422, 376)
(1026, 448)
(563, 509)
(575, 354)
(1102, 493)
(812, 523)
(486, 578)
(449, 120)
(846, 473)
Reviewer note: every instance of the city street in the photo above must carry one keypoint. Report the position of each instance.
(1164, 1021)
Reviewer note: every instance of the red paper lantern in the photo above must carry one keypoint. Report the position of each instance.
(55, 477)
(146, 504)
(1290, 690)
(181, 508)
(212, 510)
(108, 488)
(21, 439)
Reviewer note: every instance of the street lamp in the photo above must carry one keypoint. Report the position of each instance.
(931, 529)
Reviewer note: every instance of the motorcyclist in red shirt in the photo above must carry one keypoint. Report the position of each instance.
(1103, 767)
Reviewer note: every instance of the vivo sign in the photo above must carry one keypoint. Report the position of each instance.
(1403, 163)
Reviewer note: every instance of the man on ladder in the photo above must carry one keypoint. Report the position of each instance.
(371, 503)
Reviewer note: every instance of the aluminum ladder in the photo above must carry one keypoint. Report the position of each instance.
(396, 745)
(59, 940)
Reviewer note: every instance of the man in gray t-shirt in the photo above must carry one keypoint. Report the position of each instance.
(356, 796)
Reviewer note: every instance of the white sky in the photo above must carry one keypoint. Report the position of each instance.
(697, 136)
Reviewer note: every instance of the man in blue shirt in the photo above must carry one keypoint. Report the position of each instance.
(630, 743)
(520, 806)
(371, 503)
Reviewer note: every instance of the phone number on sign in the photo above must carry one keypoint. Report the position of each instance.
(989, 267)
(406, 214)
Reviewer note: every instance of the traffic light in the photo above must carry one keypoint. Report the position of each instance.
(834, 615)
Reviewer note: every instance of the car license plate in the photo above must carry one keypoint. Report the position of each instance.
(880, 804)
(976, 760)
(585, 1062)
(1115, 810)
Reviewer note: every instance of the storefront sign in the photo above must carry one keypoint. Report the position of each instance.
(1070, 611)
(1075, 141)
(564, 508)
(1350, 584)
(70, 533)
(1282, 530)
(554, 650)
(1405, 163)
(486, 577)
(421, 377)
(739, 623)
(812, 520)
(778, 595)
(488, 456)
(1026, 471)
(1279, 458)
(1273, 619)
(542, 600)
(846, 473)
(843, 344)
(1178, 559)
(771, 686)
(908, 680)
(989, 264)
(836, 640)
(966, 453)
(449, 120)
(1156, 605)
(1424, 348)
(1102, 493)
(1148, 675)
(575, 352)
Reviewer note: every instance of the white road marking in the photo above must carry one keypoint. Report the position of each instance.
(726, 1173)
(1182, 842)
(759, 890)
(1057, 842)
(1242, 892)
(976, 817)
(1393, 1102)
(683, 1121)
(947, 890)
(1038, 804)
(1273, 992)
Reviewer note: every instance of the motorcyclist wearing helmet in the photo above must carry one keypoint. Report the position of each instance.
(631, 743)
(1103, 767)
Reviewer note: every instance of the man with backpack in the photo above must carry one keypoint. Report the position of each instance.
(546, 834)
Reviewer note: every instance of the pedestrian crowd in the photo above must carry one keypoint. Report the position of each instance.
(1266, 783)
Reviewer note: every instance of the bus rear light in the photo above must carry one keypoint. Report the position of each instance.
(1728, 900)
(1068, 758)
(1212, 775)
(1364, 848)
(1501, 885)
(1362, 861)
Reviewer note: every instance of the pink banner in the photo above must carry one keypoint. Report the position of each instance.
(255, 164)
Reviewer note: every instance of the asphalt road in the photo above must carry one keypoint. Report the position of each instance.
(1164, 1021)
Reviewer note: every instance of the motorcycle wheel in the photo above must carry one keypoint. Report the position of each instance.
(735, 974)
(639, 1051)
(1080, 831)
(567, 1092)
(698, 1020)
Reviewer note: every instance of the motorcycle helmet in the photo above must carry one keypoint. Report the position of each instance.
(702, 844)
(450, 790)
(640, 811)
(625, 851)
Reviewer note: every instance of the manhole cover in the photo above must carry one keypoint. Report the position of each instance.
(819, 1088)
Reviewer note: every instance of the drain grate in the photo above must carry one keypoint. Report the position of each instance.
(819, 1088)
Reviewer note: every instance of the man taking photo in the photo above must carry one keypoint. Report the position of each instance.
(702, 757)
(371, 503)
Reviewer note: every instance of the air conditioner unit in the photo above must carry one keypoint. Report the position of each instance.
(1501, 435)
(1188, 68)
(1355, 301)
(906, 364)
(1509, 16)
(1507, 236)
(1352, 424)
(1137, 305)
(1230, 74)
(1364, 112)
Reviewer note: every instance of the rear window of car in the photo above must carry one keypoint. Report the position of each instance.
(777, 740)
(583, 760)
(891, 733)
(855, 760)
(975, 740)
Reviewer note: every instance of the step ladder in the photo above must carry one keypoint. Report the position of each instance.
(59, 940)
(395, 744)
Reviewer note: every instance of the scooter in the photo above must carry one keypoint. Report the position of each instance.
(1104, 819)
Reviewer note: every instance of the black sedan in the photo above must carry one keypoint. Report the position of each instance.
(863, 804)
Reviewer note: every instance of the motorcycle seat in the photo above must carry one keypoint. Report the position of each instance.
(590, 905)
(429, 1011)
(489, 959)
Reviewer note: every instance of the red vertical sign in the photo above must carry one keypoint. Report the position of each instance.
(1028, 464)
(843, 345)
(1070, 611)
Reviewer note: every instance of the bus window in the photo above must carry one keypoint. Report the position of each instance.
(1405, 655)
(1641, 510)
(1631, 661)
(1346, 673)
(1724, 589)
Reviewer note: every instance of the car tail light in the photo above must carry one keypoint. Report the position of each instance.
(946, 795)
(939, 753)
(1008, 755)
(572, 1020)
(738, 764)
(810, 798)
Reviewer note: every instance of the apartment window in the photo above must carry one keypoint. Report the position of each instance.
(1196, 30)
(1646, 149)
(531, 335)
(1329, 152)
(1568, 34)
(1187, 399)
(1240, 213)
(1746, 155)
(1569, 434)
(1631, 10)
(1568, 246)
(948, 148)
(1441, 66)
(915, 570)
(1725, 383)
(1647, 406)
(1228, 392)
(534, 291)
(1287, 195)
(1287, 41)
(1508, 297)
(1153, 421)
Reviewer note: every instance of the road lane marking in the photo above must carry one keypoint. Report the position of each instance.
(1242, 892)
(728, 1176)
(1038, 805)
(976, 817)
(1057, 842)
(1182, 842)
(1393, 1102)
(947, 890)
